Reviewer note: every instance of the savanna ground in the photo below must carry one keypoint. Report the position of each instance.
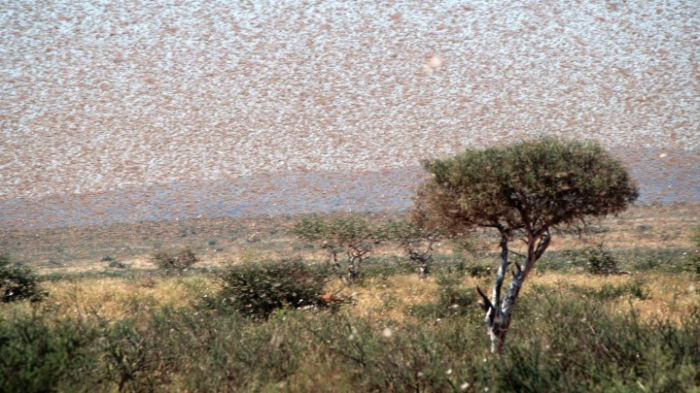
(135, 328)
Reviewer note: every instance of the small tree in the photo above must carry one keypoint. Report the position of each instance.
(353, 234)
(522, 191)
(416, 241)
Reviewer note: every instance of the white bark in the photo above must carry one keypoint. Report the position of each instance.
(499, 308)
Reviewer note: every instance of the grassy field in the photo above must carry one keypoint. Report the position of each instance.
(142, 329)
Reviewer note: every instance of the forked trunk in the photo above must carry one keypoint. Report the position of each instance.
(499, 308)
(354, 268)
(423, 271)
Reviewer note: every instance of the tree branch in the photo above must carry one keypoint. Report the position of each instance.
(487, 303)
(542, 245)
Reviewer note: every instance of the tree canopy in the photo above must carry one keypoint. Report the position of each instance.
(532, 185)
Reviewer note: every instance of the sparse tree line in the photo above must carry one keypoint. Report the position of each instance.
(350, 240)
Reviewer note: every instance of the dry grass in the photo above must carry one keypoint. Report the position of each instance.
(667, 295)
(119, 298)
(378, 298)
(387, 298)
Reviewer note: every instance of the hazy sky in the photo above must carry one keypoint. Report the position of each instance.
(103, 95)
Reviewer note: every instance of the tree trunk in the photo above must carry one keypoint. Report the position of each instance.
(499, 309)
(354, 268)
(497, 321)
(423, 271)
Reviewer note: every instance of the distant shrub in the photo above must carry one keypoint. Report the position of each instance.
(175, 260)
(601, 261)
(256, 289)
(117, 265)
(596, 260)
(18, 282)
(113, 263)
(355, 236)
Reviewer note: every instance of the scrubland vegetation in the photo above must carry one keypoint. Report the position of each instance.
(370, 302)
(284, 325)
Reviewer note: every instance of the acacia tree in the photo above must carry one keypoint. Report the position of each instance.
(354, 235)
(522, 191)
(416, 241)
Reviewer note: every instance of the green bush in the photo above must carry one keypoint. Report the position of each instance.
(601, 261)
(175, 260)
(18, 282)
(38, 356)
(355, 235)
(256, 289)
(596, 260)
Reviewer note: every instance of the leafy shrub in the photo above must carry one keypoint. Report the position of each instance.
(601, 261)
(36, 356)
(18, 282)
(596, 260)
(130, 355)
(175, 260)
(256, 289)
